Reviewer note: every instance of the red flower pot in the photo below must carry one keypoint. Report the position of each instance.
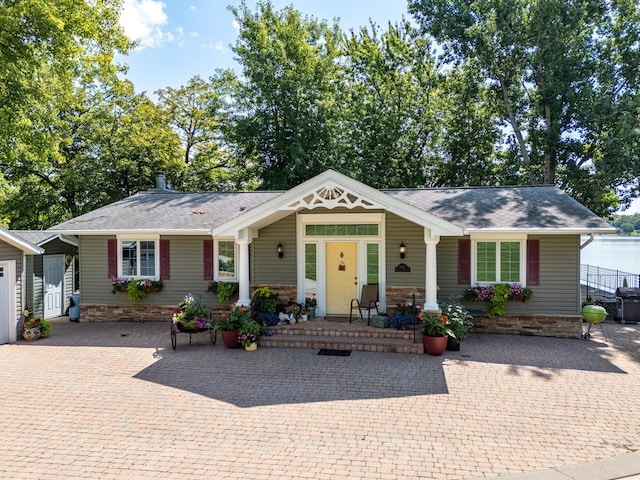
(434, 345)
(230, 338)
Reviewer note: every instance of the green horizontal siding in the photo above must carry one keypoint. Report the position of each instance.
(267, 267)
(558, 292)
(399, 230)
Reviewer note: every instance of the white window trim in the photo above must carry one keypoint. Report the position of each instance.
(522, 239)
(146, 238)
(216, 267)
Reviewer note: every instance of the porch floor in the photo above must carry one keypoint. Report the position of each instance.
(337, 333)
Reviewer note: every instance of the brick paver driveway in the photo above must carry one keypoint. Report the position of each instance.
(115, 401)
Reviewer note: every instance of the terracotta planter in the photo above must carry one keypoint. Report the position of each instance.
(31, 334)
(230, 338)
(434, 345)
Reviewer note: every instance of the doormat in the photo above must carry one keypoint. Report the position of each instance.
(334, 353)
(337, 319)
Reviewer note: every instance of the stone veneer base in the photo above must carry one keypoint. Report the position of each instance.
(129, 313)
(563, 326)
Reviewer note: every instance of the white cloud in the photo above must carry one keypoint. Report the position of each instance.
(142, 21)
(218, 46)
(194, 34)
(236, 24)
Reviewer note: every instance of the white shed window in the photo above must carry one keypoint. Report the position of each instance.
(138, 258)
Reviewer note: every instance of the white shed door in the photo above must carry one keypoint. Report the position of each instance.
(4, 304)
(53, 274)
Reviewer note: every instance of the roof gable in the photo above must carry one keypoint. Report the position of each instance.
(331, 190)
(19, 243)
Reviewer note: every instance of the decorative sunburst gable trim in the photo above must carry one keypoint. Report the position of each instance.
(331, 195)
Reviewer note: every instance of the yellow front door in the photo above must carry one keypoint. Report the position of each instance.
(342, 276)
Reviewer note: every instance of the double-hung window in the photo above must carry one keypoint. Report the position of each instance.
(226, 260)
(499, 261)
(138, 258)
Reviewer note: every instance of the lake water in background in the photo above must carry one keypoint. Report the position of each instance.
(613, 252)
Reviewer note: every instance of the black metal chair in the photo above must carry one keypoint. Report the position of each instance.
(368, 301)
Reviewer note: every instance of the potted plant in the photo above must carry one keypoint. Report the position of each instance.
(460, 322)
(192, 315)
(226, 291)
(136, 289)
(249, 334)
(35, 328)
(264, 303)
(310, 305)
(497, 295)
(294, 310)
(435, 329)
(404, 315)
(230, 325)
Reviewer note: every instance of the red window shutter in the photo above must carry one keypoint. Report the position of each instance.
(533, 262)
(207, 255)
(112, 257)
(464, 261)
(165, 269)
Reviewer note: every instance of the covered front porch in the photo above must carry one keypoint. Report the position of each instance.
(332, 237)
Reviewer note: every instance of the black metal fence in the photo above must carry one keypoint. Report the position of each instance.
(606, 280)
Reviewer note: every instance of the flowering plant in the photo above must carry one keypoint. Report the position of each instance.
(497, 296)
(406, 308)
(239, 314)
(248, 332)
(192, 312)
(136, 289)
(38, 323)
(310, 302)
(434, 325)
(247, 339)
(294, 309)
(460, 319)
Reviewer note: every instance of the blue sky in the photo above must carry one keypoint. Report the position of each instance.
(183, 38)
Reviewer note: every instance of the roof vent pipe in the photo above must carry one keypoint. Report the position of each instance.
(161, 181)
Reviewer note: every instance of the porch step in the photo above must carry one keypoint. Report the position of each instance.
(315, 335)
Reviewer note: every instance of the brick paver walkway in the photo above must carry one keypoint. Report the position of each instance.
(106, 400)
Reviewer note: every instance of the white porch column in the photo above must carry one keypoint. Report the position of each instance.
(431, 280)
(243, 240)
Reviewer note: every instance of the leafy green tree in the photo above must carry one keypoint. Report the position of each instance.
(199, 112)
(113, 143)
(386, 104)
(284, 124)
(45, 48)
(566, 76)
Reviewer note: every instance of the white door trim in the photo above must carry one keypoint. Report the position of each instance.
(320, 241)
(10, 308)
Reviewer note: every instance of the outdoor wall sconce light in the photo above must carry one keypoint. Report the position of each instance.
(280, 250)
(403, 250)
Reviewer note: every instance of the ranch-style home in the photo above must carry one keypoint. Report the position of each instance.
(331, 235)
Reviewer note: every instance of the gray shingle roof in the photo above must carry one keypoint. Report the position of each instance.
(166, 211)
(493, 208)
(528, 207)
(35, 237)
